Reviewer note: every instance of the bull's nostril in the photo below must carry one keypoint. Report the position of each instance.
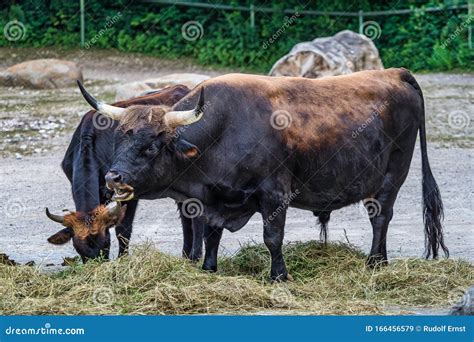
(113, 177)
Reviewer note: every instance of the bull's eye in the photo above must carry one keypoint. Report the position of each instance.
(151, 150)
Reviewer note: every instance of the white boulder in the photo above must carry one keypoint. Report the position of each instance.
(343, 53)
(42, 74)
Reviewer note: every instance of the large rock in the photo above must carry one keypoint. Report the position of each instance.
(344, 53)
(42, 74)
(129, 90)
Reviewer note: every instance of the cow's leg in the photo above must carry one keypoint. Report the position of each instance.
(123, 230)
(187, 225)
(212, 238)
(383, 203)
(198, 232)
(380, 208)
(273, 232)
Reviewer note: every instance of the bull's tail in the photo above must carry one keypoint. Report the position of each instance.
(432, 203)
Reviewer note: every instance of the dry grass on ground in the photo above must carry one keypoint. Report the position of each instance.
(327, 280)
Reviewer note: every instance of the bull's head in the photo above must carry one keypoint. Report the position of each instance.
(146, 145)
(90, 235)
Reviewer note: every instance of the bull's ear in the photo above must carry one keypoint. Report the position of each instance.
(61, 237)
(186, 150)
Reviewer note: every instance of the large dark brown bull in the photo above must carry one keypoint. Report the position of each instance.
(259, 144)
(86, 162)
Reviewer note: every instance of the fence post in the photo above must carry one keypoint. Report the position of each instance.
(361, 22)
(470, 13)
(252, 16)
(82, 24)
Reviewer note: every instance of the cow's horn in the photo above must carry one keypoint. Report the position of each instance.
(103, 108)
(55, 218)
(114, 208)
(186, 117)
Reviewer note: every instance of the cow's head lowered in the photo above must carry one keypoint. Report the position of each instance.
(146, 145)
(90, 236)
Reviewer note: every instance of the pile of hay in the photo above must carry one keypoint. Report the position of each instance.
(327, 280)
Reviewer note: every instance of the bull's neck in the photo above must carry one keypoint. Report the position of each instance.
(187, 185)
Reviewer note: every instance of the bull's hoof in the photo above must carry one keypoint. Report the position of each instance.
(192, 256)
(376, 260)
(281, 278)
(195, 257)
(209, 268)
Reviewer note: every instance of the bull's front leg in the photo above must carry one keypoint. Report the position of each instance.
(187, 225)
(193, 231)
(274, 217)
(198, 234)
(212, 239)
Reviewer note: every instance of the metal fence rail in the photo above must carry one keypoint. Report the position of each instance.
(256, 9)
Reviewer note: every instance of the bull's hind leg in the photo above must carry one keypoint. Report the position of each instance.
(274, 217)
(380, 208)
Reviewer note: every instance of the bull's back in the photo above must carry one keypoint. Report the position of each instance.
(339, 130)
(321, 112)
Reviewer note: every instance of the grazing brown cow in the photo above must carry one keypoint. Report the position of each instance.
(240, 144)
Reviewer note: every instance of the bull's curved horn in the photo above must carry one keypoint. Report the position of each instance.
(186, 117)
(114, 208)
(55, 218)
(108, 110)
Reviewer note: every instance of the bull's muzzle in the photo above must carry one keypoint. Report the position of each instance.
(122, 191)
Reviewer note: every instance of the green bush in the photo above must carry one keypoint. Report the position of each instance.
(416, 41)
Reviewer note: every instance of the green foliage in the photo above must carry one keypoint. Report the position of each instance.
(418, 41)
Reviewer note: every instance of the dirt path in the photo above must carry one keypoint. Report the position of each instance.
(35, 127)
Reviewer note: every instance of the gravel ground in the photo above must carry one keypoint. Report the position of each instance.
(36, 182)
(36, 125)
